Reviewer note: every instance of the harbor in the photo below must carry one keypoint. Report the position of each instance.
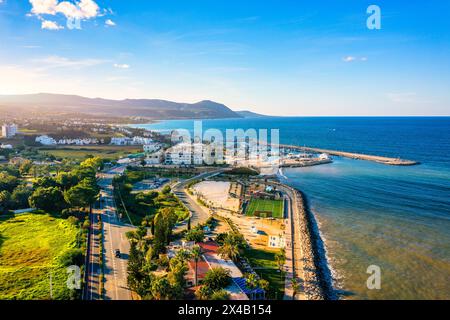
(357, 156)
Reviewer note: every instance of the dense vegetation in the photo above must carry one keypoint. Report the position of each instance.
(142, 207)
(40, 245)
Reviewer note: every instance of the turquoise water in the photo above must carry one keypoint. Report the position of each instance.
(370, 214)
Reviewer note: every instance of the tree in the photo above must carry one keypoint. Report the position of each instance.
(5, 199)
(295, 287)
(196, 255)
(160, 288)
(20, 196)
(164, 222)
(135, 275)
(66, 180)
(72, 257)
(83, 194)
(166, 190)
(44, 182)
(48, 199)
(251, 281)
(196, 235)
(217, 278)
(280, 258)
(230, 248)
(203, 293)
(25, 167)
(8, 182)
(95, 163)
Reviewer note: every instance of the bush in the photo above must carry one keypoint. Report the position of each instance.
(73, 220)
(73, 257)
(217, 278)
(220, 295)
(196, 235)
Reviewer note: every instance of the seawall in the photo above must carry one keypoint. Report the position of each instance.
(358, 156)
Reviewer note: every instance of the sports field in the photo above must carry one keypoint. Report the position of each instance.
(265, 208)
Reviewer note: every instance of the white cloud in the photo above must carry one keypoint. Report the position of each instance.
(50, 25)
(352, 59)
(84, 9)
(348, 59)
(110, 23)
(121, 66)
(52, 62)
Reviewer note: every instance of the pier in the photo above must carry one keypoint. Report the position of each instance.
(358, 156)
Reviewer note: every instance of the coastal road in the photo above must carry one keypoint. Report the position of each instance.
(115, 270)
(114, 239)
(294, 253)
(198, 214)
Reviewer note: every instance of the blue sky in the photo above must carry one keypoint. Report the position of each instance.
(274, 57)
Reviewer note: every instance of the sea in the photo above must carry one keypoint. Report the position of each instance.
(394, 220)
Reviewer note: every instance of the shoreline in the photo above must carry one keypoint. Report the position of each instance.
(317, 275)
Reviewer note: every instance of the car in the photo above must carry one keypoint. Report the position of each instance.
(117, 253)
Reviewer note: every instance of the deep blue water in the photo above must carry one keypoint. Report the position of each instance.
(371, 214)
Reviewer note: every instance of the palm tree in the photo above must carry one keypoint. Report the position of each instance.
(280, 259)
(295, 287)
(229, 250)
(196, 254)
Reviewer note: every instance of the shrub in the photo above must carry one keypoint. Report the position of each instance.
(72, 257)
(220, 295)
(217, 278)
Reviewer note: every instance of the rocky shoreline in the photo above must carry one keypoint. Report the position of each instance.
(317, 282)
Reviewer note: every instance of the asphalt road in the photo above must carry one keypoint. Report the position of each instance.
(115, 271)
(199, 214)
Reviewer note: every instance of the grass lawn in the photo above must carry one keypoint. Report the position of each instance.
(30, 248)
(265, 208)
(80, 152)
(264, 264)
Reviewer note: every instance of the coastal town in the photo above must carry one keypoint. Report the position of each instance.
(171, 219)
(224, 221)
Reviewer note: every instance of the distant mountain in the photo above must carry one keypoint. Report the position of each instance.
(250, 114)
(149, 108)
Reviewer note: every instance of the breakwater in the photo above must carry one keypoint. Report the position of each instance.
(315, 274)
(357, 156)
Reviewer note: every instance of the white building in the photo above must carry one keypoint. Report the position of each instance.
(180, 154)
(9, 130)
(78, 142)
(154, 158)
(194, 154)
(46, 140)
(153, 147)
(142, 141)
(121, 141)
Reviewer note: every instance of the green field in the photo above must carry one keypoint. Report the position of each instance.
(30, 249)
(80, 152)
(265, 208)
